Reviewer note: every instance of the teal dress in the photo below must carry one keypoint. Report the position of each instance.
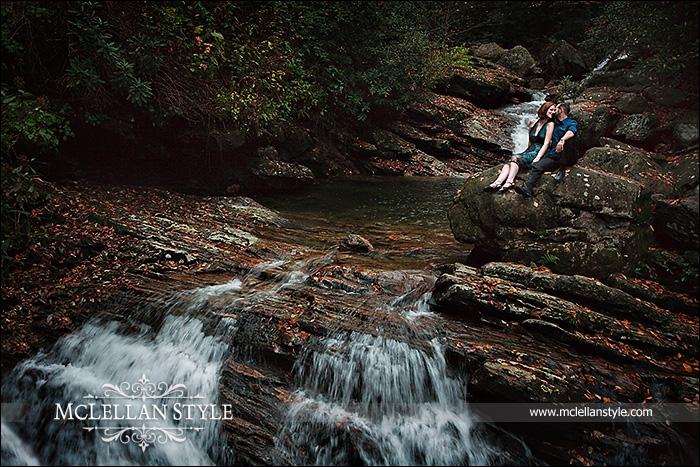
(525, 158)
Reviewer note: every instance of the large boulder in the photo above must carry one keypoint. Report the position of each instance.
(619, 74)
(518, 60)
(326, 161)
(674, 189)
(267, 172)
(666, 96)
(294, 140)
(452, 128)
(490, 51)
(595, 121)
(486, 84)
(593, 223)
(566, 308)
(537, 321)
(685, 171)
(632, 103)
(562, 59)
(630, 162)
(637, 128)
(676, 222)
(485, 92)
(687, 130)
(422, 164)
(391, 145)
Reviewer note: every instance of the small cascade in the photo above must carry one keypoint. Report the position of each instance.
(377, 401)
(414, 310)
(381, 394)
(119, 394)
(163, 360)
(605, 61)
(14, 450)
(416, 302)
(522, 113)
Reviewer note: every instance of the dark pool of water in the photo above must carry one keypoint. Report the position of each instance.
(400, 216)
(405, 201)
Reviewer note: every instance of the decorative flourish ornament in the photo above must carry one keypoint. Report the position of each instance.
(144, 436)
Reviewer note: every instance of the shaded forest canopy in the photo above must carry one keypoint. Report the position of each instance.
(69, 68)
(254, 65)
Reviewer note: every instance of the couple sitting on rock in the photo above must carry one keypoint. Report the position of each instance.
(552, 146)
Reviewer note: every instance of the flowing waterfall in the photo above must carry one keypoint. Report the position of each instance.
(523, 113)
(376, 401)
(108, 364)
(14, 450)
(68, 406)
(363, 398)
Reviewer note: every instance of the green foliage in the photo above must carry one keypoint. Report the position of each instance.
(663, 36)
(364, 56)
(255, 65)
(21, 192)
(28, 120)
(258, 65)
(569, 89)
(643, 270)
(20, 20)
(548, 258)
(249, 64)
(459, 57)
(101, 65)
(679, 276)
(28, 124)
(690, 273)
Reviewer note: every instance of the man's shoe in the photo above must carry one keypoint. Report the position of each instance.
(561, 173)
(523, 190)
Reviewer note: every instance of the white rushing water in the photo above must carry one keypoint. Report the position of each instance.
(152, 382)
(376, 401)
(359, 398)
(523, 113)
(143, 392)
(397, 401)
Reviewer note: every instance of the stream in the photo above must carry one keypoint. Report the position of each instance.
(145, 391)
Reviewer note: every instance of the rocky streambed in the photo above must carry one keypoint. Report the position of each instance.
(334, 350)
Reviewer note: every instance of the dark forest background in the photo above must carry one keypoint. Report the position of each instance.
(69, 68)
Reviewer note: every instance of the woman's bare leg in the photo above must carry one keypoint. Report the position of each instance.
(512, 173)
(505, 171)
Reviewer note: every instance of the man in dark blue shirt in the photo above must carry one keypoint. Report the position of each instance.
(562, 154)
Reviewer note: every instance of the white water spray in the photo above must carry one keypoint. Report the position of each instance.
(523, 113)
(377, 401)
(55, 391)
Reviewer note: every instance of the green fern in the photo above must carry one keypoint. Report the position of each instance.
(545, 260)
(570, 89)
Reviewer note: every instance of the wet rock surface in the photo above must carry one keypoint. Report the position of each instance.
(513, 333)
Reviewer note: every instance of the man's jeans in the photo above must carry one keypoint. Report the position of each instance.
(546, 164)
(550, 163)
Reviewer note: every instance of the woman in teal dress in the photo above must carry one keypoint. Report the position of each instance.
(540, 130)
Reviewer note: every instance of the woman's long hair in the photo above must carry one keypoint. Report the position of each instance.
(542, 112)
